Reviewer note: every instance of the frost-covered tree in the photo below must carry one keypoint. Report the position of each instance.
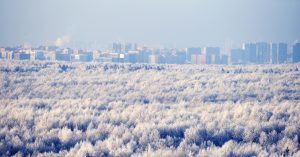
(103, 109)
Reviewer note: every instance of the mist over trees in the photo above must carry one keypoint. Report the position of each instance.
(93, 109)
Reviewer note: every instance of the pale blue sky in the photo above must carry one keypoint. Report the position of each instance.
(178, 23)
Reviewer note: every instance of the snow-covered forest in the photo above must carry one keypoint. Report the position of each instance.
(94, 109)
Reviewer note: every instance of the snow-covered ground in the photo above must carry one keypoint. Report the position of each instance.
(93, 109)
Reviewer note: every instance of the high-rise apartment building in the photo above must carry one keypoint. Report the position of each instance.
(296, 53)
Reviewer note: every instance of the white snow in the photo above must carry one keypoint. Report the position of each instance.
(93, 109)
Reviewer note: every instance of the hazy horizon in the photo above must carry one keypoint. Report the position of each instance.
(166, 23)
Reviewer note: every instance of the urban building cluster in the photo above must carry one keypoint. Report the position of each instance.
(249, 53)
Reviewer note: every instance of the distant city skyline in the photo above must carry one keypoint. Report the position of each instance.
(249, 53)
(97, 24)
